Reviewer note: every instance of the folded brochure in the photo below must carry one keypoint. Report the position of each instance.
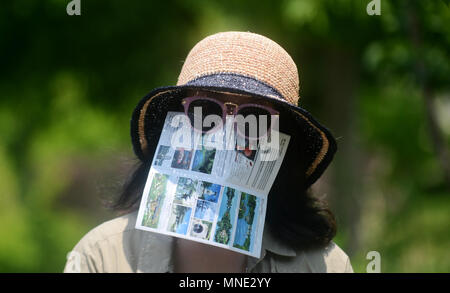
(208, 194)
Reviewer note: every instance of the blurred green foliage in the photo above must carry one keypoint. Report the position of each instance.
(68, 85)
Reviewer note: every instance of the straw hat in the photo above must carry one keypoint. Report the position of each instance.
(238, 63)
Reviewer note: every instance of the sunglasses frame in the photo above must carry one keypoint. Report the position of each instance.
(186, 102)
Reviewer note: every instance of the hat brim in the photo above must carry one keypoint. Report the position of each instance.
(149, 115)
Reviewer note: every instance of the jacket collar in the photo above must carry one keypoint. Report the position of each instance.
(155, 255)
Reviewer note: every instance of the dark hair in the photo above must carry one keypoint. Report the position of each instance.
(294, 215)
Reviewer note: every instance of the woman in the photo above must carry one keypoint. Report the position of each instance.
(232, 68)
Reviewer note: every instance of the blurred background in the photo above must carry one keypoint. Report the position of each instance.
(68, 85)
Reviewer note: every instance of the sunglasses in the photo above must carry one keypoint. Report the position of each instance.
(213, 106)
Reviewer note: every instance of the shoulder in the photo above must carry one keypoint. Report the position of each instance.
(117, 246)
(330, 259)
(107, 230)
(91, 253)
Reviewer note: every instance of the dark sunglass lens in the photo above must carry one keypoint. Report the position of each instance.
(207, 107)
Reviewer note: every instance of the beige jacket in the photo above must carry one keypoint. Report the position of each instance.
(116, 246)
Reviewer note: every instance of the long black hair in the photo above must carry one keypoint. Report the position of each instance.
(294, 215)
